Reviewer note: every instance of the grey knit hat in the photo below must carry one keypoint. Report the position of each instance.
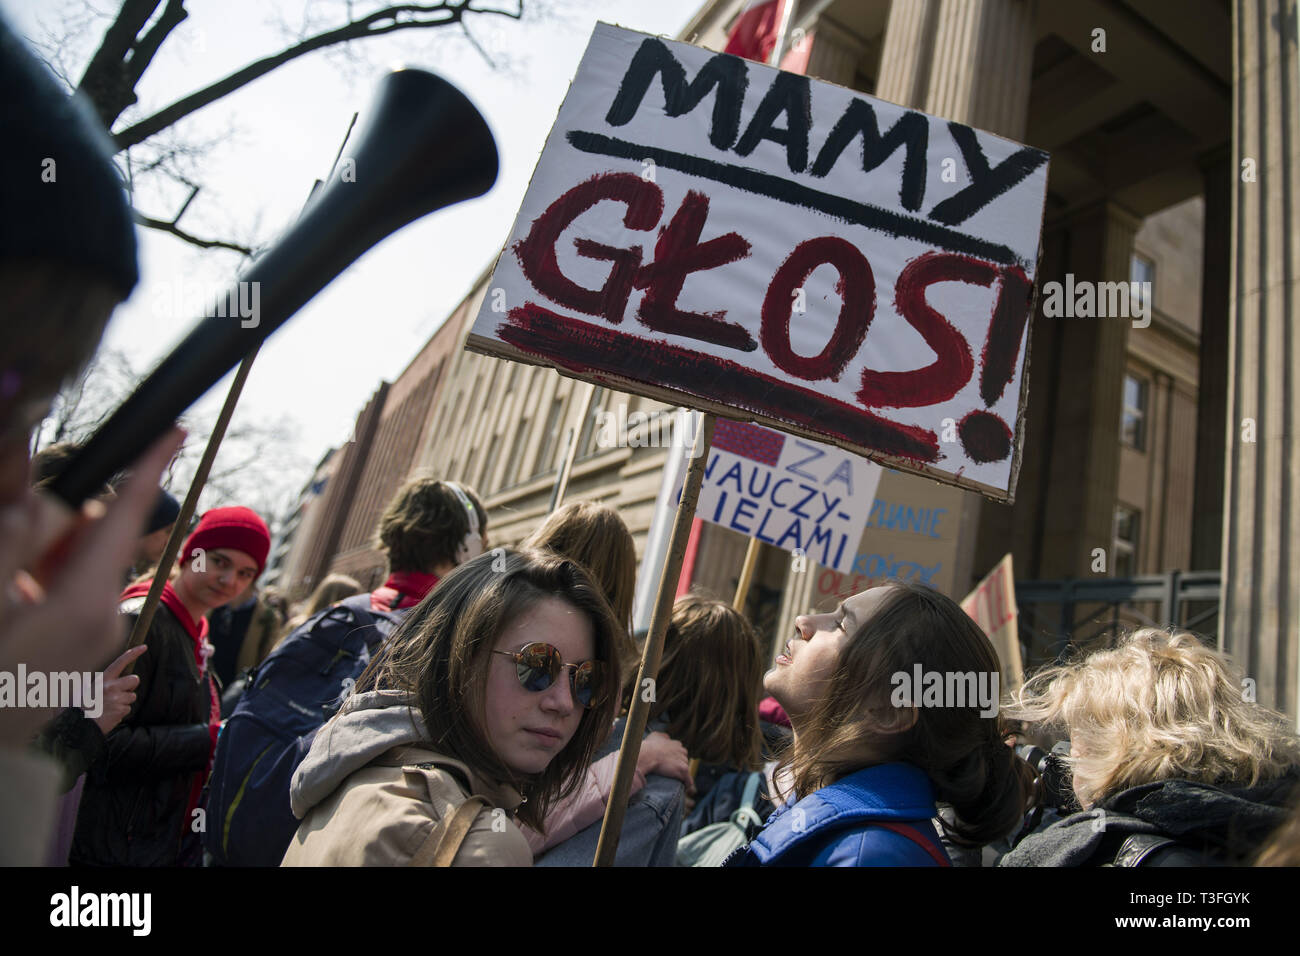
(61, 195)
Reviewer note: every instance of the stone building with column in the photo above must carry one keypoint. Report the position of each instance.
(1172, 130)
(1143, 104)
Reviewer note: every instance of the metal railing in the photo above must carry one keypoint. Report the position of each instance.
(1055, 615)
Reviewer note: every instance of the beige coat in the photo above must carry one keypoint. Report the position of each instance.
(359, 808)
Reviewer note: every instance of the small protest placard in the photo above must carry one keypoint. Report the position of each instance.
(808, 498)
(718, 234)
(992, 605)
(912, 533)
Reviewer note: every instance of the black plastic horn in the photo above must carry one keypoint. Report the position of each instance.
(422, 147)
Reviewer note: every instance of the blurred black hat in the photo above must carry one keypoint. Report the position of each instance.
(165, 513)
(61, 194)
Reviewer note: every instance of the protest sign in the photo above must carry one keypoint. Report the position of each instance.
(804, 497)
(992, 605)
(913, 532)
(715, 233)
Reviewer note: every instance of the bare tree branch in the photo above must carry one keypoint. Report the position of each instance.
(194, 191)
(464, 28)
(175, 230)
(58, 45)
(387, 20)
(175, 157)
(105, 80)
(86, 402)
(257, 465)
(142, 53)
(134, 37)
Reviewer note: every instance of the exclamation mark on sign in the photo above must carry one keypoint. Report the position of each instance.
(984, 436)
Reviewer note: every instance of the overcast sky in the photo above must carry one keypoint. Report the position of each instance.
(278, 134)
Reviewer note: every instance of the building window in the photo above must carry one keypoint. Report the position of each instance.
(1133, 427)
(587, 440)
(1143, 273)
(522, 431)
(550, 438)
(1126, 541)
(489, 465)
(472, 409)
(450, 420)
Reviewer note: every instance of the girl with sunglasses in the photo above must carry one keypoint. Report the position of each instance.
(871, 755)
(705, 705)
(483, 709)
(595, 536)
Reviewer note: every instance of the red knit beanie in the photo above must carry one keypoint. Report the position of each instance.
(237, 528)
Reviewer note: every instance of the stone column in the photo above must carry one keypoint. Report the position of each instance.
(983, 52)
(835, 54)
(1260, 618)
(1080, 474)
(969, 61)
(964, 60)
(906, 56)
(1212, 379)
(1159, 427)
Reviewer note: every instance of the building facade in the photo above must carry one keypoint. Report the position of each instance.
(1166, 442)
(281, 568)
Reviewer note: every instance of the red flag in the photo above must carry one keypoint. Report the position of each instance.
(754, 35)
(798, 50)
(755, 32)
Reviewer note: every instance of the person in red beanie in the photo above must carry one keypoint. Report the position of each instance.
(140, 806)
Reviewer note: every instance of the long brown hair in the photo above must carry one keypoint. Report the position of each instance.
(708, 683)
(440, 655)
(964, 754)
(596, 537)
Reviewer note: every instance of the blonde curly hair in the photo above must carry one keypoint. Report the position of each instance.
(1160, 705)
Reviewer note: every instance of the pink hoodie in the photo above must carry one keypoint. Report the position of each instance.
(581, 808)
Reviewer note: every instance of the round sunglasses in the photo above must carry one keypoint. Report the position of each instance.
(539, 664)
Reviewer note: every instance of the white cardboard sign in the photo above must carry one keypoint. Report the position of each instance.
(715, 233)
(808, 498)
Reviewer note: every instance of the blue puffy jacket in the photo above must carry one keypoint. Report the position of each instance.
(839, 825)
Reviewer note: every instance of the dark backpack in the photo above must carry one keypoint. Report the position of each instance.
(287, 699)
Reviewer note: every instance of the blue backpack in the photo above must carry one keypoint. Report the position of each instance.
(290, 695)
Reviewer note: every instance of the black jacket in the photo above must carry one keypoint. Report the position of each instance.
(75, 741)
(133, 806)
(1169, 823)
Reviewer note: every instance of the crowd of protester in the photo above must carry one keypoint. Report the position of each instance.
(470, 710)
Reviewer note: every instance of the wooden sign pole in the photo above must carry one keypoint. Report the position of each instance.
(639, 714)
(180, 528)
(746, 575)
